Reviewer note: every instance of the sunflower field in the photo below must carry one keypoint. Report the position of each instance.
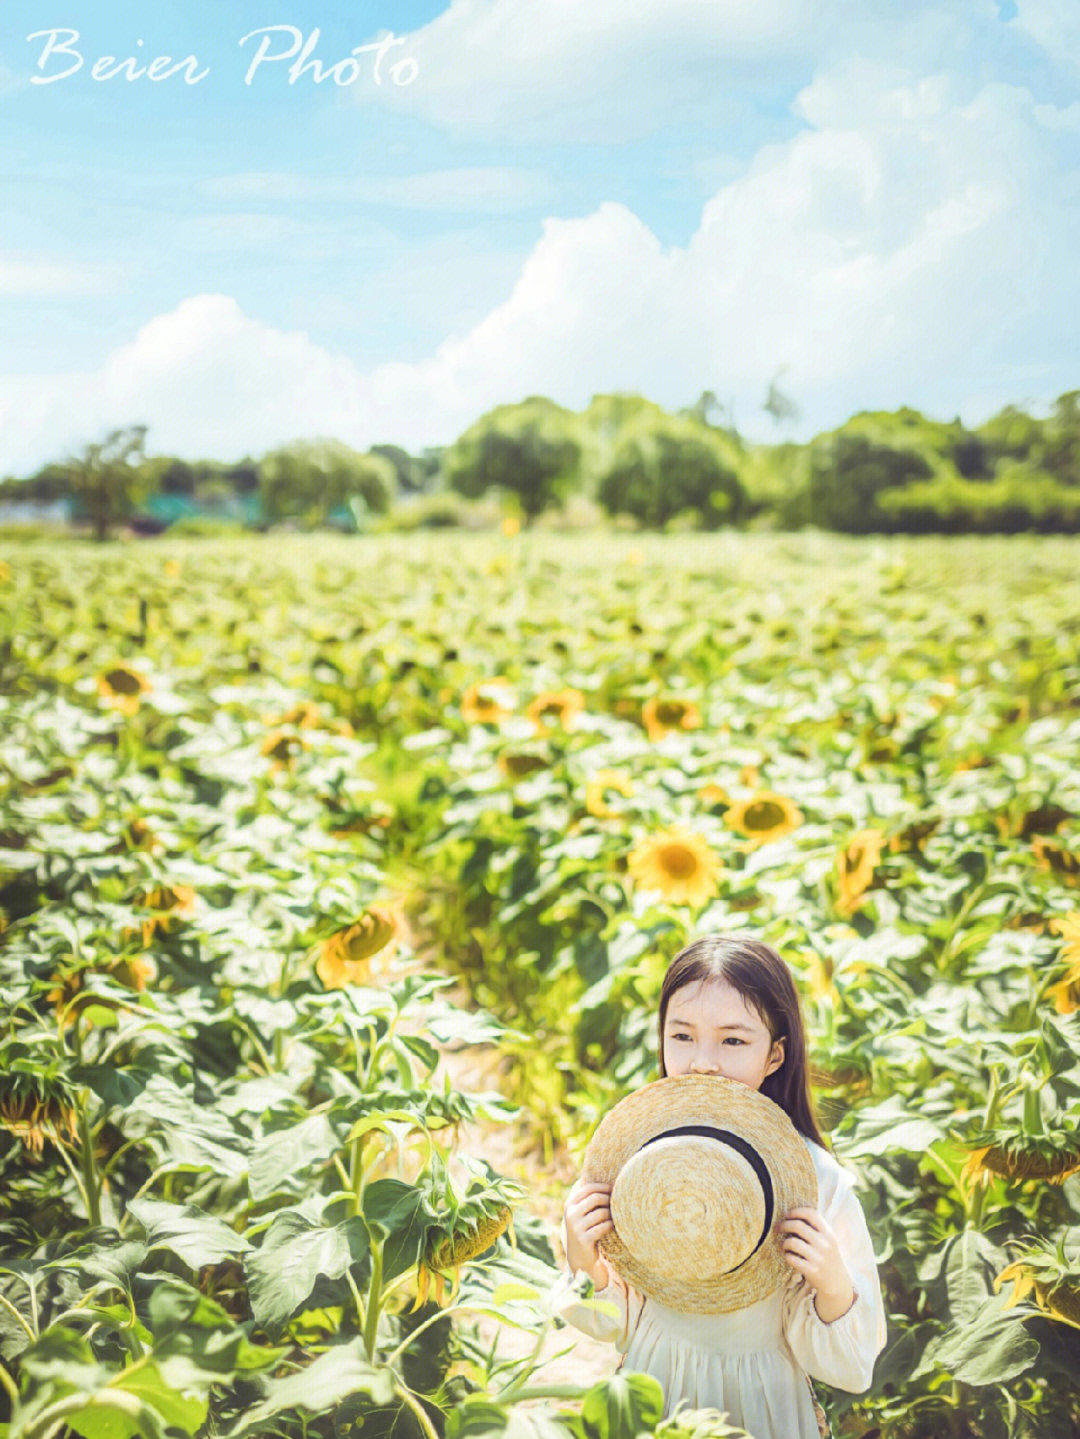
(286, 822)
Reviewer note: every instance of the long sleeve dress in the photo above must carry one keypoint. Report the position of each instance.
(755, 1363)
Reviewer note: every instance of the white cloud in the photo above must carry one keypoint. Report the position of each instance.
(41, 275)
(1053, 24)
(903, 249)
(559, 69)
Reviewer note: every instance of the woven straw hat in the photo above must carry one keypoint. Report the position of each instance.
(702, 1170)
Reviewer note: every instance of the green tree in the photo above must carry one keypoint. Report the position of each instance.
(847, 474)
(530, 449)
(106, 479)
(665, 469)
(309, 480)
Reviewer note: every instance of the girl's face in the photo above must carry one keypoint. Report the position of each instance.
(710, 1028)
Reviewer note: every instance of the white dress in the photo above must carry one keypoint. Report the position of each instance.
(753, 1363)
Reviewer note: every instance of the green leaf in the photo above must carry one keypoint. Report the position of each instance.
(479, 1418)
(992, 1348)
(289, 1154)
(193, 1236)
(626, 1406)
(282, 1273)
(330, 1379)
(400, 1215)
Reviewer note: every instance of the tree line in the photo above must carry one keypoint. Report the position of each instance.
(622, 458)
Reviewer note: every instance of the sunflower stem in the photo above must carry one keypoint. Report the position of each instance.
(418, 1410)
(91, 1181)
(8, 1386)
(374, 1300)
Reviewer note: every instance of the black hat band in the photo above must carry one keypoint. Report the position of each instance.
(748, 1152)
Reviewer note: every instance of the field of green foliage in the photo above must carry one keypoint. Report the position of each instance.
(264, 802)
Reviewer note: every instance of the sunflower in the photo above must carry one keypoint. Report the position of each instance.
(1059, 1300)
(33, 1119)
(303, 715)
(345, 958)
(1058, 860)
(169, 902)
(678, 863)
(713, 796)
(855, 868)
(615, 780)
(557, 707)
(1066, 992)
(1020, 1164)
(121, 688)
(486, 702)
(661, 716)
(451, 1251)
(764, 816)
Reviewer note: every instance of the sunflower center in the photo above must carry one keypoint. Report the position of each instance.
(678, 861)
(763, 814)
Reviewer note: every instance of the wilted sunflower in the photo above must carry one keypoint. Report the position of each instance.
(1060, 1300)
(1057, 859)
(603, 780)
(169, 902)
(855, 867)
(661, 716)
(556, 707)
(122, 688)
(281, 749)
(33, 1119)
(345, 958)
(678, 863)
(486, 702)
(764, 816)
(1020, 1164)
(451, 1251)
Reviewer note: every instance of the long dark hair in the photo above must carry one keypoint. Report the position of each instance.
(765, 982)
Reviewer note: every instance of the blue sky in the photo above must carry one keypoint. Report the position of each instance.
(876, 203)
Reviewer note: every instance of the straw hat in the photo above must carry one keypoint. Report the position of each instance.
(702, 1169)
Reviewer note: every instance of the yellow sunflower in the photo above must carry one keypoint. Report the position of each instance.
(764, 816)
(345, 958)
(1066, 992)
(304, 715)
(486, 702)
(712, 796)
(678, 863)
(122, 688)
(855, 868)
(557, 707)
(615, 780)
(661, 716)
(281, 749)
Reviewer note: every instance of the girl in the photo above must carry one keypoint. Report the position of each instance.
(729, 1006)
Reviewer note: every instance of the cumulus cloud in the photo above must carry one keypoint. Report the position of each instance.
(903, 248)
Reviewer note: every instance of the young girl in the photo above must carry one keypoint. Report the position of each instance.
(729, 1006)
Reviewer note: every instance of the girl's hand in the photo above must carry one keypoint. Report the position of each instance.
(588, 1217)
(809, 1245)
